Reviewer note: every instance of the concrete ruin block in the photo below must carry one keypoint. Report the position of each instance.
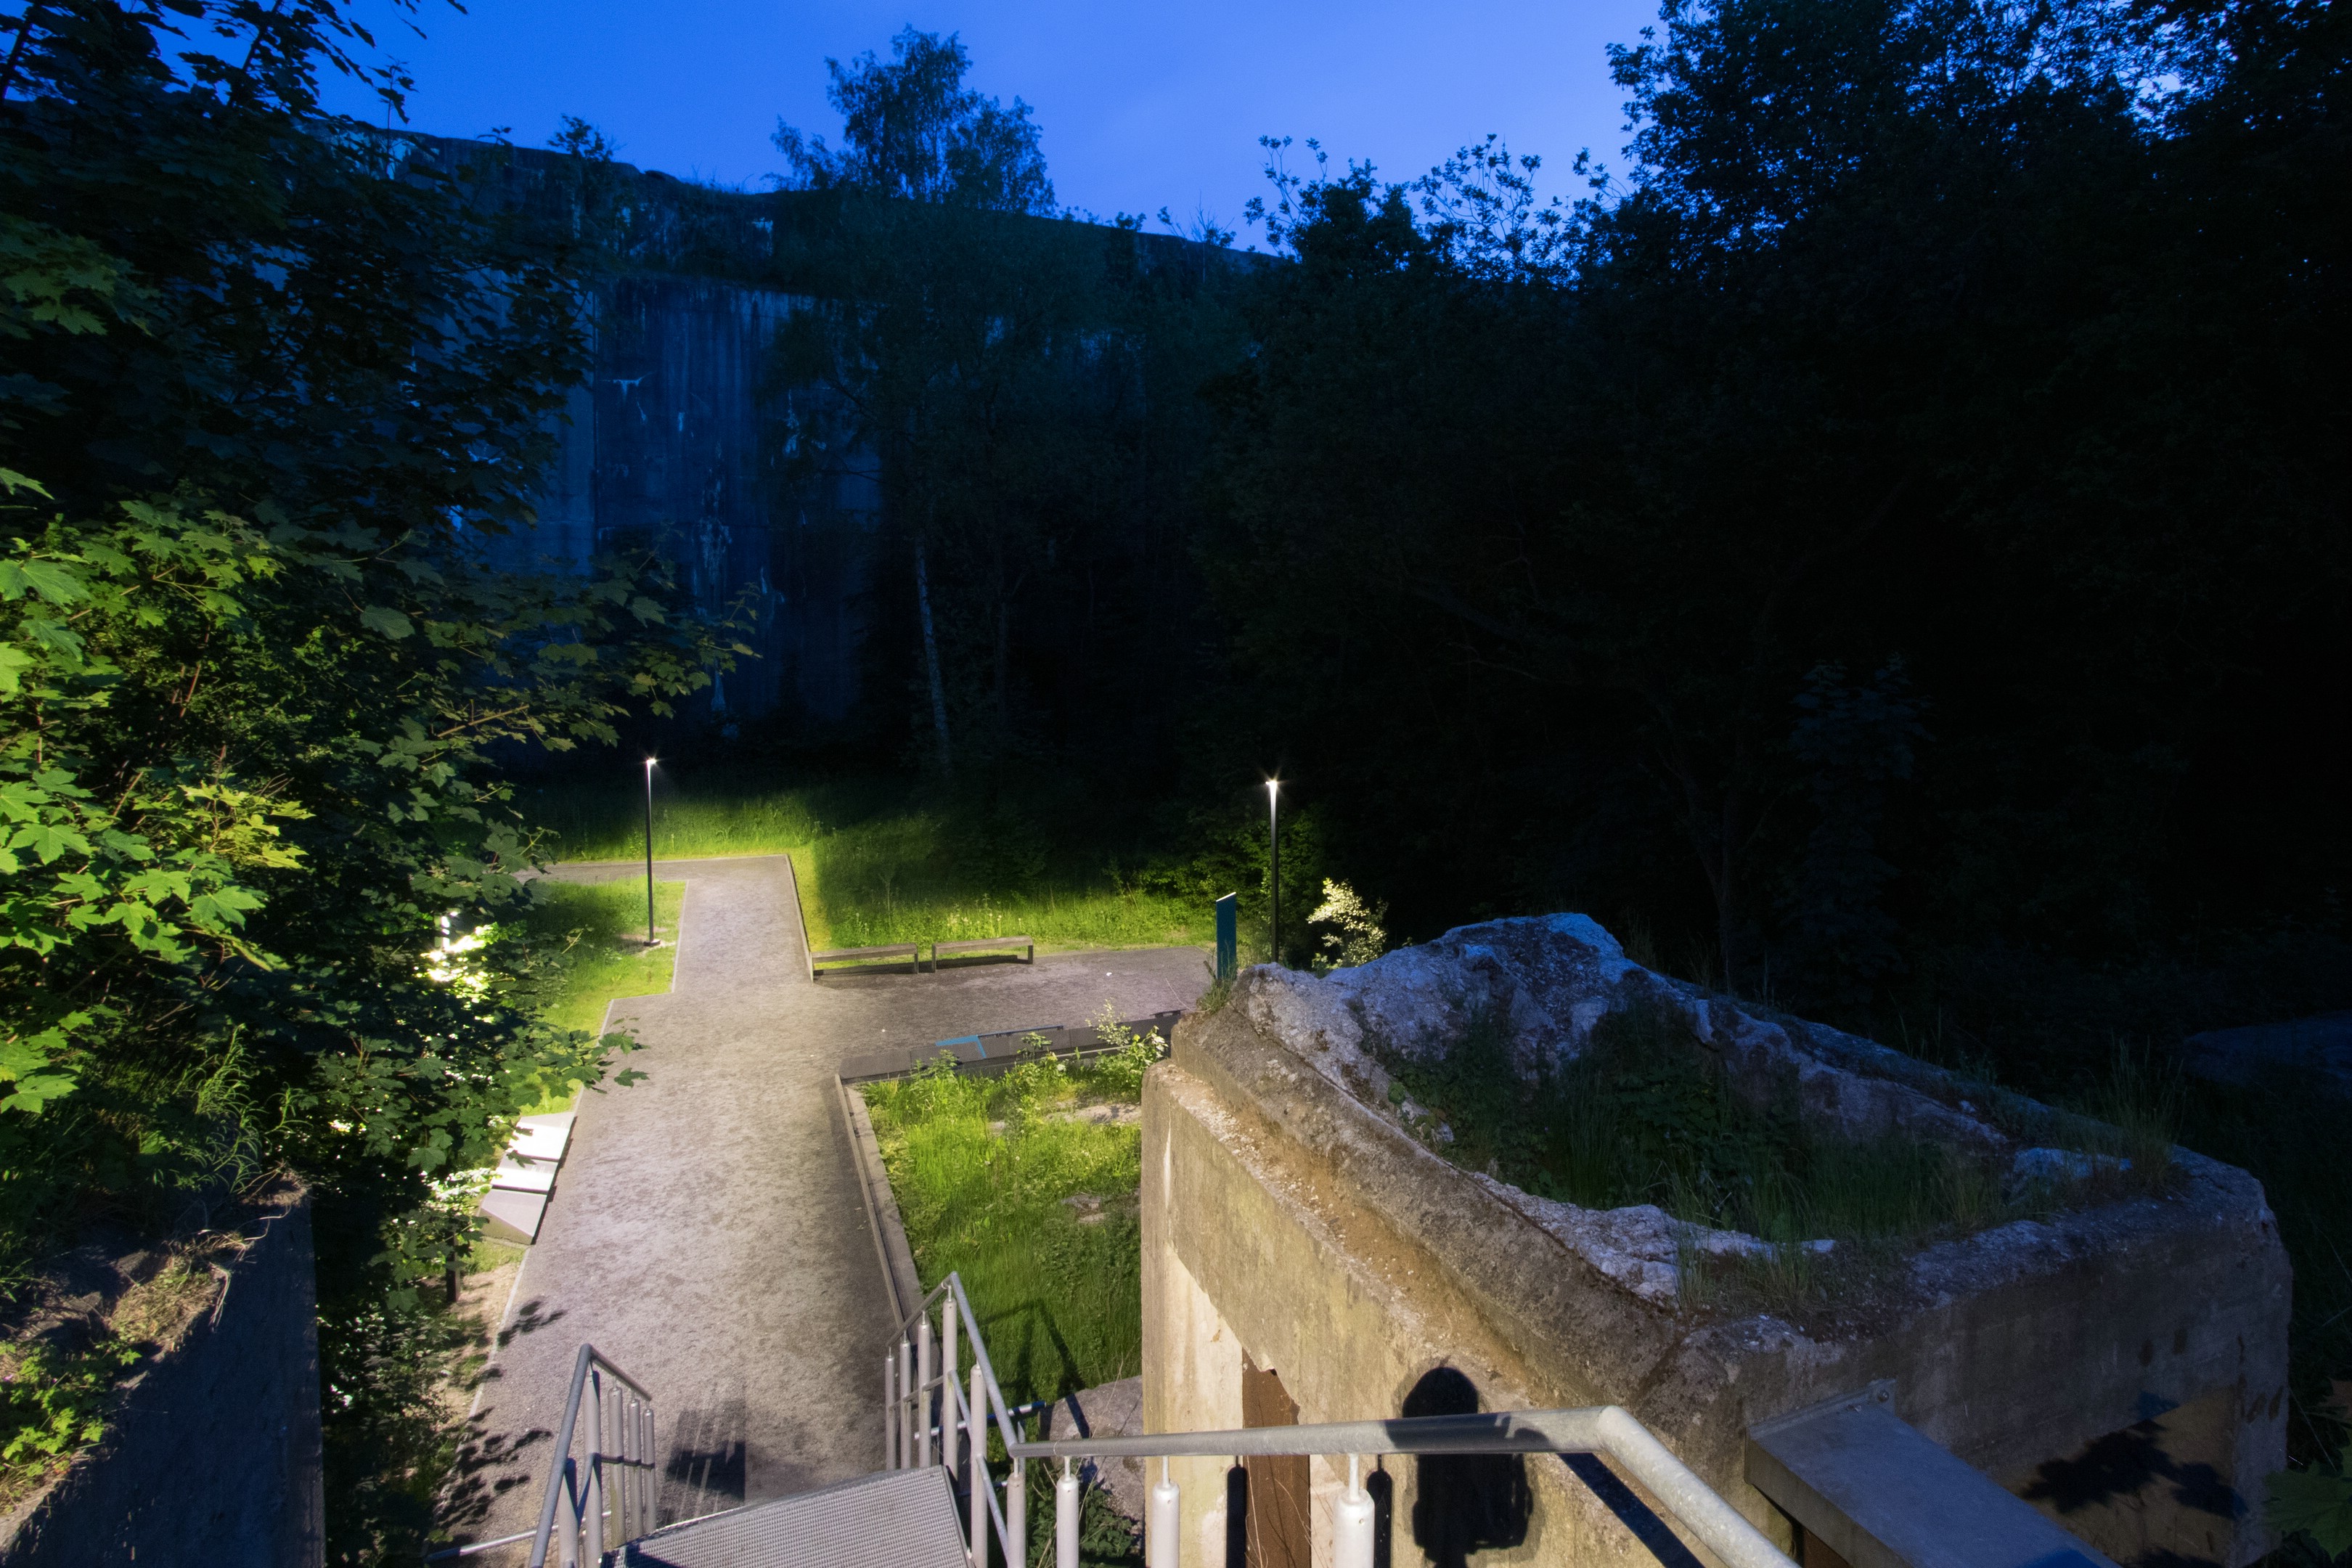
(2120, 1364)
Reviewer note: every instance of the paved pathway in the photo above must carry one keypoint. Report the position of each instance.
(706, 1233)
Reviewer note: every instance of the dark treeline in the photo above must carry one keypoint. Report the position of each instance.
(1025, 392)
(1884, 553)
(1899, 523)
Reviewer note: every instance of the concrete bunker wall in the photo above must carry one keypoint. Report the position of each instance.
(2121, 1366)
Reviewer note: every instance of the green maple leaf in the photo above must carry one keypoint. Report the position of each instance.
(391, 623)
(2317, 1502)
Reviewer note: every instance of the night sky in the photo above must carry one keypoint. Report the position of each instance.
(1143, 106)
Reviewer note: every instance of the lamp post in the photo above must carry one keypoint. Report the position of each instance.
(650, 941)
(1274, 849)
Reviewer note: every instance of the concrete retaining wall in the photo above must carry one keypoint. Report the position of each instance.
(213, 1457)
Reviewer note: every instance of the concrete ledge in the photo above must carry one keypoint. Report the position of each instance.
(511, 1215)
(1880, 1494)
(882, 1221)
(997, 1051)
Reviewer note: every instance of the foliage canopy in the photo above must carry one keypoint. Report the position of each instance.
(271, 381)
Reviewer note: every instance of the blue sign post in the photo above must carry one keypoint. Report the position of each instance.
(1228, 934)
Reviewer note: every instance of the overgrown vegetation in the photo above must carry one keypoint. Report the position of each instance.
(1643, 1116)
(57, 1388)
(1008, 1181)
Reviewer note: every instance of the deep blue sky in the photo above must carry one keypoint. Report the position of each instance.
(1143, 105)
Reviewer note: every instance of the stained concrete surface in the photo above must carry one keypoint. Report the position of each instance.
(706, 1232)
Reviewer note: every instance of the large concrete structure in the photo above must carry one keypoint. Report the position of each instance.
(1307, 1256)
(680, 437)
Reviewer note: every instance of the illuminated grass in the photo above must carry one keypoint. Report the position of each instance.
(875, 867)
(982, 1169)
(603, 924)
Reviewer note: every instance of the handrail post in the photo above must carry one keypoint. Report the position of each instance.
(949, 1383)
(923, 1393)
(633, 1475)
(568, 1547)
(1017, 1515)
(1066, 1517)
(596, 1467)
(1162, 1523)
(906, 1404)
(1351, 1522)
(624, 1453)
(653, 1472)
(976, 1500)
(890, 1411)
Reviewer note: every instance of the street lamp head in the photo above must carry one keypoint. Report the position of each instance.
(1272, 785)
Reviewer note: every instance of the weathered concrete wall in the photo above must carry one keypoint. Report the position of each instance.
(681, 431)
(213, 1458)
(675, 443)
(2120, 1366)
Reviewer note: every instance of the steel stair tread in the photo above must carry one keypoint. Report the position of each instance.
(897, 1519)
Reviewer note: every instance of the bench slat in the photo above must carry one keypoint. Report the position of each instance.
(896, 950)
(974, 945)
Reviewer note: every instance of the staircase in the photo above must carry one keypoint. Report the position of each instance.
(897, 1519)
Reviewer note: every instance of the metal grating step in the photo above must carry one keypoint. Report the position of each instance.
(899, 1518)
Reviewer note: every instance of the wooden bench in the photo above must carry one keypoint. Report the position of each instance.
(911, 951)
(982, 945)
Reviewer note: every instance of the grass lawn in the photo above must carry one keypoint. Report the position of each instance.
(1005, 1180)
(878, 865)
(604, 926)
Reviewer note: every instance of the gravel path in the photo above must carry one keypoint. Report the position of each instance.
(706, 1232)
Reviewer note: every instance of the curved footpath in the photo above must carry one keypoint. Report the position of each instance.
(706, 1232)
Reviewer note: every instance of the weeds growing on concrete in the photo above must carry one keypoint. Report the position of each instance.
(1642, 1116)
(1001, 1180)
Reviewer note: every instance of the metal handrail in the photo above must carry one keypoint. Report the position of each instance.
(1604, 1429)
(562, 1472)
(1609, 1430)
(1000, 1411)
(911, 1391)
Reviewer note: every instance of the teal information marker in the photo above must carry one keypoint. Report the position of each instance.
(1229, 941)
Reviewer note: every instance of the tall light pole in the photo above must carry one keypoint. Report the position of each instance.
(1273, 848)
(650, 940)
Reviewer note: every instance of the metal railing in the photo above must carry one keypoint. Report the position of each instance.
(582, 1500)
(923, 1400)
